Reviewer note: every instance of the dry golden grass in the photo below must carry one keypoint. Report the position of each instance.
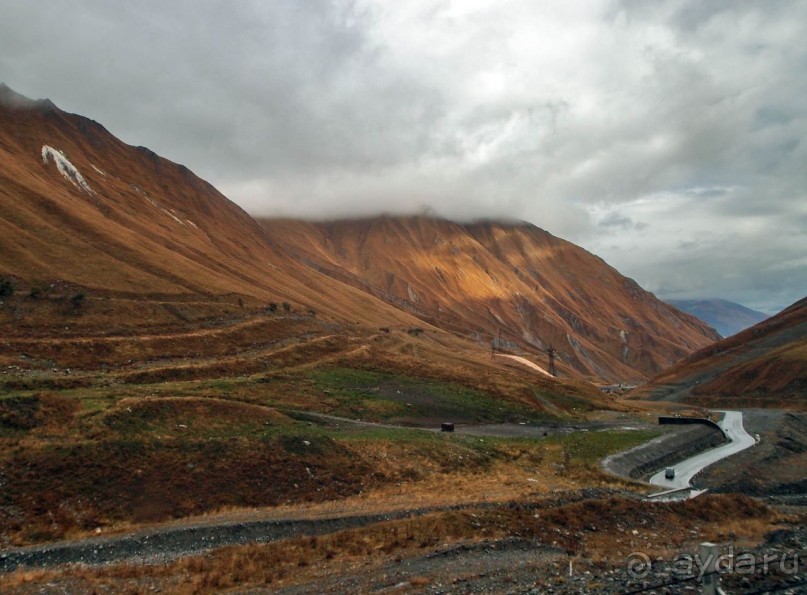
(601, 530)
(190, 441)
(760, 367)
(190, 452)
(476, 276)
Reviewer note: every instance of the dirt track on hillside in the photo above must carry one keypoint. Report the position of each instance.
(501, 430)
(192, 537)
(188, 537)
(185, 538)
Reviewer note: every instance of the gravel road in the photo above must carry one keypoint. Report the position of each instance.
(501, 430)
(168, 543)
(165, 543)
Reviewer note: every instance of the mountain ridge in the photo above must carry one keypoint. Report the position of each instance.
(726, 317)
(143, 225)
(129, 275)
(765, 365)
(496, 280)
(10, 98)
(147, 226)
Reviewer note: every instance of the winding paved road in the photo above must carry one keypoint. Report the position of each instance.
(732, 426)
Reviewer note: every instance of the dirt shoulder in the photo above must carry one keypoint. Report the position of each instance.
(167, 543)
(587, 541)
(774, 469)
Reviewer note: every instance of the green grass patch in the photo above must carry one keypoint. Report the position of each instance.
(94, 403)
(382, 396)
(589, 448)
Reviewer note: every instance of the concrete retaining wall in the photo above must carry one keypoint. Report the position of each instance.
(671, 448)
(665, 420)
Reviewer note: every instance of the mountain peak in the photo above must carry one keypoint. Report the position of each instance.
(9, 98)
(761, 366)
(508, 282)
(728, 318)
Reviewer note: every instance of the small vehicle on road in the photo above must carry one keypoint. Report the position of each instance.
(669, 473)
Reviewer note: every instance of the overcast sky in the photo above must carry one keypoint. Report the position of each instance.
(667, 137)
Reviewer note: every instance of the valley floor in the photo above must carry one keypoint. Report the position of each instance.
(589, 541)
(545, 535)
(280, 452)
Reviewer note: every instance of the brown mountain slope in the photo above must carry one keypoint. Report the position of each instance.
(124, 262)
(514, 282)
(79, 206)
(765, 365)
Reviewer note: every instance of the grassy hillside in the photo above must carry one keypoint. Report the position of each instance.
(512, 284)
(764, 366)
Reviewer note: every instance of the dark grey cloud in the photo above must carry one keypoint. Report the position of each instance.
(666, 136)
(616, 220)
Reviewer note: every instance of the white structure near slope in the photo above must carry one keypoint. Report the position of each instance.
(67, 169)
(526, 362)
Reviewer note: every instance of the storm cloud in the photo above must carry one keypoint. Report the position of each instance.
(667, 137)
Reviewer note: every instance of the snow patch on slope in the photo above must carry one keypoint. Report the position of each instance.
(67, 169)
(168, 212)
(157, 205)
(174, 217)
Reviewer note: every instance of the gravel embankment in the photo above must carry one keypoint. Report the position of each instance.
(171, 542)
(161, 545)
(517, 565)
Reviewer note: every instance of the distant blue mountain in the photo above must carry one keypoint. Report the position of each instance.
(727, 318)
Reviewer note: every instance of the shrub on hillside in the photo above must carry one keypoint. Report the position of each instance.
(77, 300)
(6, 288)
